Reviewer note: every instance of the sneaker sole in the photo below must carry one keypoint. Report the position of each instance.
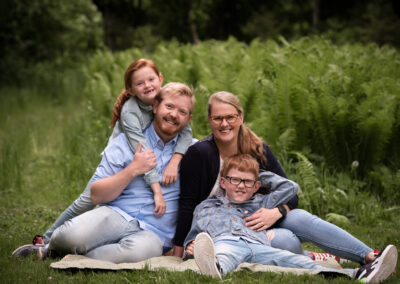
(385, 267)
(204, 255)
(16, 252)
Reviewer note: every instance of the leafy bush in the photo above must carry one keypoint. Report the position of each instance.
(340, 103)
(45, 30)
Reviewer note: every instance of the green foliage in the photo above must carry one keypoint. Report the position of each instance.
(38, 30)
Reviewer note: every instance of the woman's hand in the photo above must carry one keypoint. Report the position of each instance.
(262, 219)
(190, 248)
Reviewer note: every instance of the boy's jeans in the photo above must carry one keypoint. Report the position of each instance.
(329, 237)
(230, 254)
(104, 234)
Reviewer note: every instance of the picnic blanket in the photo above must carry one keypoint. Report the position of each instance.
(172, 263)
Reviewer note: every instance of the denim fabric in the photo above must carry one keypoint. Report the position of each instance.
(327, 236)
(218, 216)
(231, 253)
(104, 234)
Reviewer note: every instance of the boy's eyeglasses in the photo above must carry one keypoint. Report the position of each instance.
(231, 118)
(237, 181)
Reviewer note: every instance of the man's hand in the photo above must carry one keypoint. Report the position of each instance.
(143, 161)
(109, 188)
(262, 219)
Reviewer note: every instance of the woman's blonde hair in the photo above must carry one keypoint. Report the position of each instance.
(248, 141)
(127, 92)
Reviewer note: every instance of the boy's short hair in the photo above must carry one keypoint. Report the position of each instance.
(241, 162)
(176, 89)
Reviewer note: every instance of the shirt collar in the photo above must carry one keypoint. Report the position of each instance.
(155, 140)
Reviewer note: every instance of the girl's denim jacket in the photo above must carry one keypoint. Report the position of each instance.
(218, 216)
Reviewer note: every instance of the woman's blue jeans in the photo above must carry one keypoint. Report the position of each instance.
(325, 235)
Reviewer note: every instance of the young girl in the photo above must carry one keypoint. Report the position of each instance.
(133, 113)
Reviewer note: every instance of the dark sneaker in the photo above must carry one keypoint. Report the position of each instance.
(38, 240)
(204, 255)
(379, 269)
(26, 250)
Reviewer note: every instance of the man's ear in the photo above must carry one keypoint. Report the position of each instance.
(257, 186)
(155, 106)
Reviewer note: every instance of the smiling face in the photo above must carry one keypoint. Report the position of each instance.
(239, 193)
(146, 84)
(171, 115)
(225, 131)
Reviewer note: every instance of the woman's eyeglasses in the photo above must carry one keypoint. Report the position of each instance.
(237, 181)
(231, 118)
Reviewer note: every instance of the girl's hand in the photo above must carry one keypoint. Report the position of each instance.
(160, 206)
(190, 248)
(170, 174)
(171, 171)
(262, 219)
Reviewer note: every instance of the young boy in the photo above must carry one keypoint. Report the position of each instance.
(222, 241)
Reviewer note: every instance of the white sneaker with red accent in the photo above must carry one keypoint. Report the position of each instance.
(322, 256)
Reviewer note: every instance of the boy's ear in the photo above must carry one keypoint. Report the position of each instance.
(161, 78)
(222, 182)
(257, 186)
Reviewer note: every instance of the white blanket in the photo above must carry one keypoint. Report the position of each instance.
(173, 264)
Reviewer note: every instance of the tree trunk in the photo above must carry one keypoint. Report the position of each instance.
(315, 19)
(192, 25)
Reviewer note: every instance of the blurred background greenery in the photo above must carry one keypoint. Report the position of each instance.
(38, 30)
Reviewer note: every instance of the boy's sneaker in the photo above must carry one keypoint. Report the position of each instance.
(204, 255)
(26, 250)
(379, 269)
(38, 240)
(322, 256)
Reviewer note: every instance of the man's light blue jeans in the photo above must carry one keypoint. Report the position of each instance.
(81, 205)
(104, 234)
(231, 253)
(327, 236)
